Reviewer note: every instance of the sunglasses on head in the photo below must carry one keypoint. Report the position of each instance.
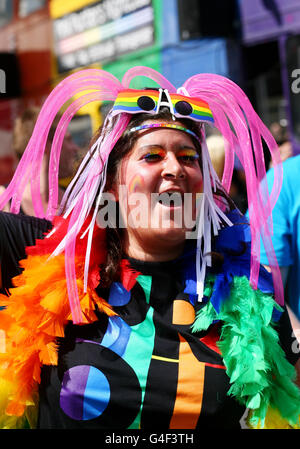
(150, 101)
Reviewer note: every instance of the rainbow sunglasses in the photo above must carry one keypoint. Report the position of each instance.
(150, 100)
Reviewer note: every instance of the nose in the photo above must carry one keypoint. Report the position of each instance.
(172, 168)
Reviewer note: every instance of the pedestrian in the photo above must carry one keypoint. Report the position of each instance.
(285, 238)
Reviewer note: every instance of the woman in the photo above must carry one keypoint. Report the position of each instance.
(148, 317)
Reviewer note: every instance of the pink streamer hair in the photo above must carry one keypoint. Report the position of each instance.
(234, 116)
(231, 105)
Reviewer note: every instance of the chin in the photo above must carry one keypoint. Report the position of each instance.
(170, 234)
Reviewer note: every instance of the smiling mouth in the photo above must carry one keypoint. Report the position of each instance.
(171, 199)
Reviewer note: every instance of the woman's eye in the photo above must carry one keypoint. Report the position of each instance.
(153, 157)
(189, 158)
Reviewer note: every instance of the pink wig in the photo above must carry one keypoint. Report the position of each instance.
(234, 117)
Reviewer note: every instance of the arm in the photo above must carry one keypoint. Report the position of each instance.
(296, 329)
(294, 322)
(16, 233)
(282, 245)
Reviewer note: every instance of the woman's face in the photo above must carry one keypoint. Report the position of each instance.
(158, 182)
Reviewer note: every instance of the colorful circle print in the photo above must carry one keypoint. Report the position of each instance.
(85, 392)
(98, 388)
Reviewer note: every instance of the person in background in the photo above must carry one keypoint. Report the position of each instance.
(216, 148)
(238, 192)
(286, 236)
(280, 134)
(147, 315)
(22, 132)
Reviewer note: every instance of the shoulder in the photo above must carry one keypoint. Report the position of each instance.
(8, 217)
(24, 224)
(234, 244)
(291, 169)
(292, 164)
(231, 237)
(288, 201)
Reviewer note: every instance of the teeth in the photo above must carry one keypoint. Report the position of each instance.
(170, 198)
(173, 193)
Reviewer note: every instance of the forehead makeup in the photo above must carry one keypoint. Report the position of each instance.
(158, 147)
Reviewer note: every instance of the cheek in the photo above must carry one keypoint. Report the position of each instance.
(141, 179)
(136, 183)
(196, 182)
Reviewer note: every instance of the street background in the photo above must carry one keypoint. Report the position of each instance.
(256, 43)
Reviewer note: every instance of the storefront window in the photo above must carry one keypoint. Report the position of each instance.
(264, 82)
(293, 66)
(6, 12)
(27, 7)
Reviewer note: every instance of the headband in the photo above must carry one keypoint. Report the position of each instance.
(163, 125)
(205, 98)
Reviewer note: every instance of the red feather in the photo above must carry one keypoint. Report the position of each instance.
(128, 275)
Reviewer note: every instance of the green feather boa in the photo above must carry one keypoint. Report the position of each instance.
(261, 378)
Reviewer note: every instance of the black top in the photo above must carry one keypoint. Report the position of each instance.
(141, 369)
(17, 232)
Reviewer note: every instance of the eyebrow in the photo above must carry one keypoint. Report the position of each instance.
(179, 147)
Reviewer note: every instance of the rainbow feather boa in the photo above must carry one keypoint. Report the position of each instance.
(36, 314)
(261, 378)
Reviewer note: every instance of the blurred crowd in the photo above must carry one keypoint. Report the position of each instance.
(70, 153)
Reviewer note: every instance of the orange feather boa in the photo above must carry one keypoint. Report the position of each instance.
(38, 310)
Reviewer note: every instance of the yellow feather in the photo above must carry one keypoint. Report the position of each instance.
(273, 420)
